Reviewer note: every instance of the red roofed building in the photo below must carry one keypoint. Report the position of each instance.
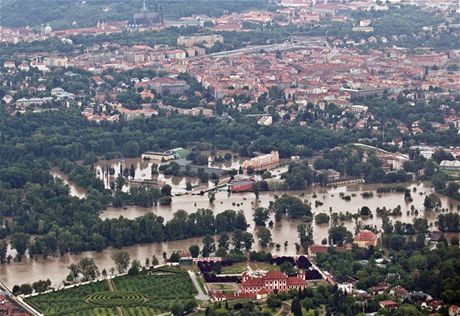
(388, 304)
(400, 293)
(365, 238)
(331, 9)
(272, 281)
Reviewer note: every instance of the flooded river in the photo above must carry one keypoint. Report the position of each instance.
(75, 190)
(56, 268)
(143, 171)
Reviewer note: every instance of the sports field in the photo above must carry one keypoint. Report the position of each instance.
(145, 294)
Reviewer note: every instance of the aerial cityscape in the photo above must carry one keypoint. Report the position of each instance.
(229, 157)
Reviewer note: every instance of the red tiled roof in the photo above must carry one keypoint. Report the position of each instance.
(378, 288)
(400, 291)
(365, 235)
(270, 275)
(295, 281)
(388, 303)
(273, 275)
(253, 282)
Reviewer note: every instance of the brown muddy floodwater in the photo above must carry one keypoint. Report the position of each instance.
(56, 268)
(143, 171)
(75, 190)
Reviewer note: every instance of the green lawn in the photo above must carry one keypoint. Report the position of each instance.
(264, 266)
(146, 294)
(201, 282)
(241, 267)
(364, 147)
(453, 173)
(235, 268)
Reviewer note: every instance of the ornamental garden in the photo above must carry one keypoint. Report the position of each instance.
(147, 293)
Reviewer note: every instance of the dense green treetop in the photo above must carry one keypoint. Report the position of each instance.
(61, 14)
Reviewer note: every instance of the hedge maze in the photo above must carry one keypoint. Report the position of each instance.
(145, 294)
(117, 298)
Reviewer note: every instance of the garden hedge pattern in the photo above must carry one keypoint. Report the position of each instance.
(144, 294)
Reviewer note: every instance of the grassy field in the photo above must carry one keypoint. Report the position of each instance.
(236, 268)
(243, 266)
(149, 293)
(366, 147)
(453, 173)
(263, 266)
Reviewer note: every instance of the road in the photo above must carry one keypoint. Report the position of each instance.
(201, 295)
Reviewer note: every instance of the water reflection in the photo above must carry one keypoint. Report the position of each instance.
(109, 170)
